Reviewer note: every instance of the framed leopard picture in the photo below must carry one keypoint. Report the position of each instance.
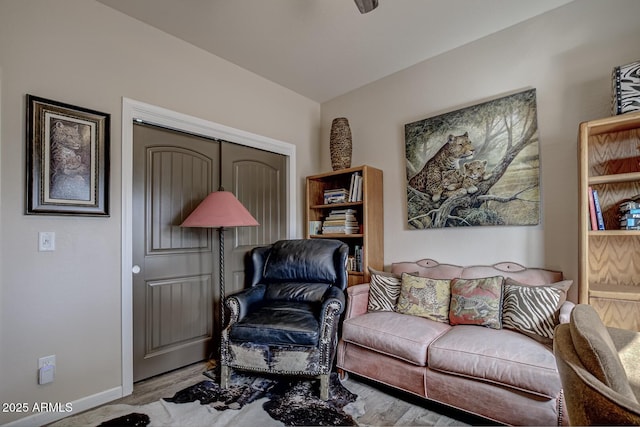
(67, 159)
(477, 166)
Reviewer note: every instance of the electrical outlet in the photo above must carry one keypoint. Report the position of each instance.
(46, 241)
(46, 369)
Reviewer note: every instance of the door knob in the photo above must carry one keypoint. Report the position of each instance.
(135, 269)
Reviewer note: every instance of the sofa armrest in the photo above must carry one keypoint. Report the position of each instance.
(357, 300)
(565, 311)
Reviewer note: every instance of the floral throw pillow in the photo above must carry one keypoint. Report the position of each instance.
(477, 302)
(384, 289)
(424, 297)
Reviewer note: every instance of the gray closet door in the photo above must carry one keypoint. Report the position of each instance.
(176, 292)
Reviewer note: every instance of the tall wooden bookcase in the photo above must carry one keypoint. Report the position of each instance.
(368, 211)
(609, 263)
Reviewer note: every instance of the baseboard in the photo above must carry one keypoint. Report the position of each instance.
(77, 406)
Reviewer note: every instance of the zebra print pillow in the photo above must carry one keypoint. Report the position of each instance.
(531, 309)
(384, 290)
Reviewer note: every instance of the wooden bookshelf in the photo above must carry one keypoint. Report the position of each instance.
(369, 214)
(609, 261)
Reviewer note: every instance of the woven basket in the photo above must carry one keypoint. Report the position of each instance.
(340, 144)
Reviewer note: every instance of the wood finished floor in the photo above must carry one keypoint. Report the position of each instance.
(383, 406)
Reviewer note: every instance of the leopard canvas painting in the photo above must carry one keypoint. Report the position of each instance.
(476, 166)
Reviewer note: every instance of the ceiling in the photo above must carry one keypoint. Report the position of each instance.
(324, 48)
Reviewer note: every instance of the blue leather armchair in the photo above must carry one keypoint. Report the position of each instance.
(287, 321)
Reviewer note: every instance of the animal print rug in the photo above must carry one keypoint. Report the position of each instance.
(250, 400)
(294, 402)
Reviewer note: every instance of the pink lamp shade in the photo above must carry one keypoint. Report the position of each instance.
(220, 209)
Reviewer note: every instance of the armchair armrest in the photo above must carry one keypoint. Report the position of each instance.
(565, 311)
(242, 302)
(357, 300)
(332, 307)
(335, 297)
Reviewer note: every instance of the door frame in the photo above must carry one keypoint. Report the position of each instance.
(133, 110)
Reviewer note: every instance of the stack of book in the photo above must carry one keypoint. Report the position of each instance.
(337, 195)
(340, 221)
(629, 215)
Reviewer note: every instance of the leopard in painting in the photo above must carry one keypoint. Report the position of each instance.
(429, 179)
(452, 183)
(69, 167)
(474, 173)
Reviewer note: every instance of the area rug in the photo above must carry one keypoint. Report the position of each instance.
(249, 400)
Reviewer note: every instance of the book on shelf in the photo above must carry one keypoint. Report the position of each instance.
(354, 262)
(629, 205)
(351, 263)
(630, 212)
(341, 221)
(337, 195)
(598, 208)
(625, 223)
(357, 255)
(629, 215)
(355, 189)
(592, 210)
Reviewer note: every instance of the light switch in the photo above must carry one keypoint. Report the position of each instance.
(46, 241)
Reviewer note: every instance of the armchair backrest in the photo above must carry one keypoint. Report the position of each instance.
(300, 269)
(596, 387)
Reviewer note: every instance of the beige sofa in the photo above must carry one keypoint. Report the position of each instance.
(498, 374)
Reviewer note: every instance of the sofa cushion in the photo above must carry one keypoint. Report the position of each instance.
(477, 302)
(394, 334)
(280, 323)
(296, 291)
(500, 356)
(562, 286)
(384, 289)
(301, 260)
(424, 297)
(531, 310)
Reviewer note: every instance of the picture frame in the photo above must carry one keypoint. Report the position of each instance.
(475, 166)
(67, 159)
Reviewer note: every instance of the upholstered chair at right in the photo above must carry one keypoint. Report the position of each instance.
(600, 370)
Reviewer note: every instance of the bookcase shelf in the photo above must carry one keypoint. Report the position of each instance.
(368, 212)
(338, 236)
(615, 292)
(609, 273)
(601, 233)
(612, 179)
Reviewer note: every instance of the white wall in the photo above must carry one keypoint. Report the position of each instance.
(81, 52)
(567, 55)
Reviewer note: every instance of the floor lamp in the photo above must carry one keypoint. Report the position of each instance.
(220, 209)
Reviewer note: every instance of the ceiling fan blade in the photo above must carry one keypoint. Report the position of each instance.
(365, 6)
